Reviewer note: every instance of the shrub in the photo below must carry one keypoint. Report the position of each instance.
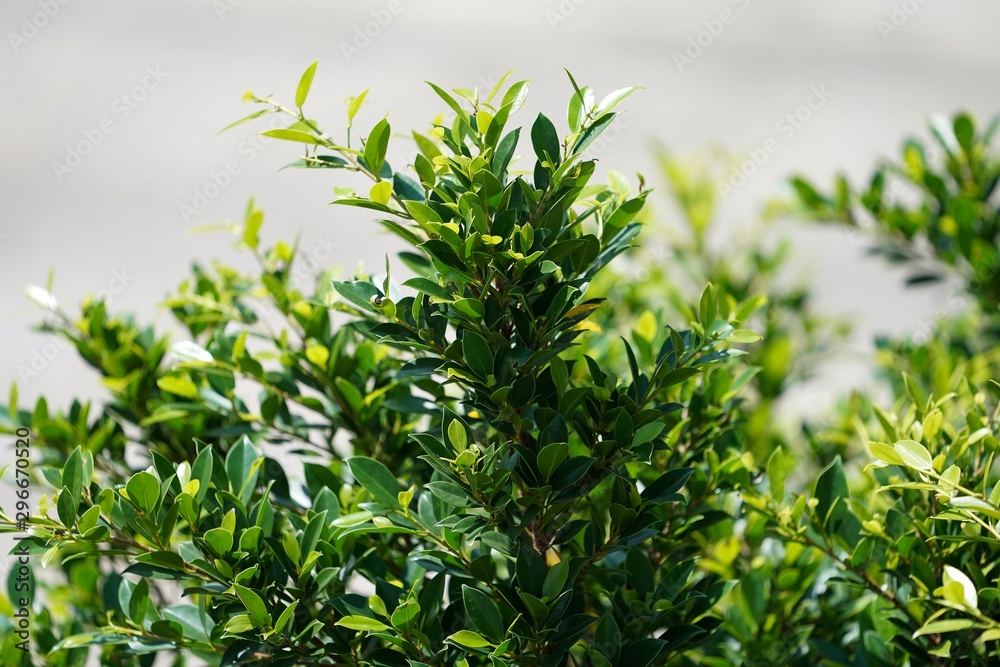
(510, 457)
(449, 478)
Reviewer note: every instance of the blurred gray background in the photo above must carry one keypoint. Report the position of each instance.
(112, 108)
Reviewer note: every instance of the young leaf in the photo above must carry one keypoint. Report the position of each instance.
(468, 639)
(354, 105)
(305, 83)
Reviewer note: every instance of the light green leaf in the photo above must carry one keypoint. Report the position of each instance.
(468, 639)
(254, 604)
(744, 336)
(381, 192)
(239, 624)
(457, 435)
(969, 596)
(941, 627)
(885, 453)
(914, 455)
(354, 105)
(614, 99)
(305, 83)
(286, 134)
(362, 624)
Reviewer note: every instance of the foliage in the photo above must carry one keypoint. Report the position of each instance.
(524, 452)
(467, 485)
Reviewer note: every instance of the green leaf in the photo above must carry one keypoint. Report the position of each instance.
(647, 433)
(239, 624)
(241, 470)
(608, 638)
(66, 507)
(376, 146)
(72, 474)
(354, 105)
(545, 140)
(832, 494)
(254, 604)
(246, 119)
(941, 627)
(914, 455)
(89, 519)
(421, 212)
(405, 614)
(179, 385)
(959, 589)
(450, 493)
(776, 474)
(555, 579)
(139, 602)
(468, 639)
(477, 353)
(449, 100)
(707, 306)
(196, 623)
(457, 435)
(550, 457)
(483, 613)
(143, 490)
(669, 483)
(515, 95)
(593, 131)
(885, 453)
(471, 308)
(377, 480)
(973, 504)
(362, 624)
(744, 336)
(613, 99)
(305, 83)
(429, 287)
(219, 540)
(285, 134)
(171, 630)
(251, 229)
(381, 192)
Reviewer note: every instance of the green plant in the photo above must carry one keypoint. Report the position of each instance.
(507, 457)
(909, 526)
(466, 485)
